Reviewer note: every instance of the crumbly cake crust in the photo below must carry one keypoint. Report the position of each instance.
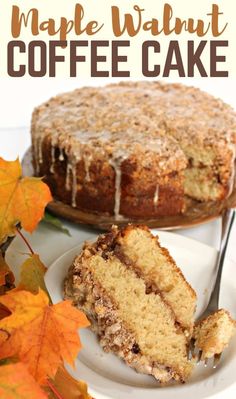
(123, 149)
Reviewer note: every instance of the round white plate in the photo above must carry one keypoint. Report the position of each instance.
(108, 376)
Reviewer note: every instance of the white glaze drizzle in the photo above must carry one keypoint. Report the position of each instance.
(74, 185)
(68, 172)
(116, 163)
(52, 156)
(40, 153)
(117, 168)
(61, 156)
(87, 163)
(71, 177)
(156, 197)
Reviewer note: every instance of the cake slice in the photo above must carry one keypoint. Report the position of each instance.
(213, 334)
(137, 300)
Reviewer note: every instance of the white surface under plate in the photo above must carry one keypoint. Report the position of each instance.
(109, 377)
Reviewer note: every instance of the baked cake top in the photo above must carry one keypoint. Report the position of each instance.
(116, 118)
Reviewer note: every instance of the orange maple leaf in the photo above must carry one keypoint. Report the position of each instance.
(24, 308)
(43, 336)
(17, 383)
(22, 199)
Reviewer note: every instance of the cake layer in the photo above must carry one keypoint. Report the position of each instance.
(130, 315)
(142, 251)
(210, 172)
(135, 149)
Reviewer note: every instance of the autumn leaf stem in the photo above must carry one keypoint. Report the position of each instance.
(54, 390)
(25, 240)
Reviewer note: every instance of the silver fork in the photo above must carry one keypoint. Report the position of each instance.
(227, 219)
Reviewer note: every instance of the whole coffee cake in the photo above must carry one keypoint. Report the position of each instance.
(135, 149)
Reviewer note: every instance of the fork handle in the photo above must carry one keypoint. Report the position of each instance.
(227, 222)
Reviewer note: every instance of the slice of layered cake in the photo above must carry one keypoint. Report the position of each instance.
(137, 300)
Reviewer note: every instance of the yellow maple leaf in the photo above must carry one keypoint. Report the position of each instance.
(22, 199)
(43, 336)
(32, 275)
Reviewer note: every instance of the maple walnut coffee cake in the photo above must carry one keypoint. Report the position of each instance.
(140, 305)
(135, 149)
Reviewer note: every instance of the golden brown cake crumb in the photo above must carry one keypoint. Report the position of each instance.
(214, 333)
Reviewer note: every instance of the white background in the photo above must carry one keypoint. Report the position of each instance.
(19, 97)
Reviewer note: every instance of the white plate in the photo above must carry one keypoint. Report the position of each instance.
(109, 377)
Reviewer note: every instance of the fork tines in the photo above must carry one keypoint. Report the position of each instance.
(216, 360)
(191, 349)
(193, 353)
